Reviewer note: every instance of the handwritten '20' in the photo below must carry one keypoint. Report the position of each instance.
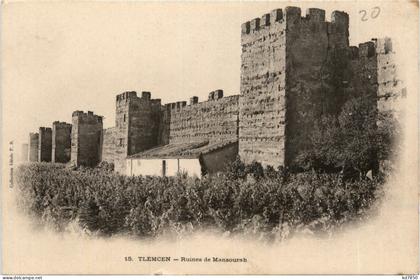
(374, 13)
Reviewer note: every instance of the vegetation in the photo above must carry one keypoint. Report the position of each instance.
(250, 200)
(356, 140)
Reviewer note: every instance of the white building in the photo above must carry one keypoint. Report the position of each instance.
(195, 159)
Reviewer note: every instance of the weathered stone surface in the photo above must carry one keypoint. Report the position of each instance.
(214, 120)
(108, 145)
(136, 125)
(391, 90)
(61, 142)
(262, 102)
(45, 144)
(86, 139)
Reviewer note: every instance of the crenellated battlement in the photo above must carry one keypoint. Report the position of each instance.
(87, 117)
(315, 14)
(216, 95)
(59, 124)
(44, 129)
(367, 49)
(383, 45)
(293, 15)
(131, 96)
(340, 17)
(371, 48)
(266, 20)
(126, 96)
(193, 100)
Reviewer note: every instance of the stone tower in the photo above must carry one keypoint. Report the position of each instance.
(391, 90)
(136, 124)
(61, 142)
(45, 144)
(86, 138)
(285, 80)
(33, 147)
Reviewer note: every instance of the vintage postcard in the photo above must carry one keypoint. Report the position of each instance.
(209, 137)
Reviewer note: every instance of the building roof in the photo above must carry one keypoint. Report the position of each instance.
(182, 150)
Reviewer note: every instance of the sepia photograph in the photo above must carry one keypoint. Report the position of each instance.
(209, 138)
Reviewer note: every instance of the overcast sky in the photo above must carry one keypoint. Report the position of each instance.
(58, 58)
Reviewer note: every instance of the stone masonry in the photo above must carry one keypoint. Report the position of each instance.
(136, 126)
(45, 144)
(143, 123)
(86, 139)
(213, 120)
(61, 142)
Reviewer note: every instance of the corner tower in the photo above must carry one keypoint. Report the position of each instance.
(284, 80)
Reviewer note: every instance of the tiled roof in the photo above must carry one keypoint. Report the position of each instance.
(182, 150)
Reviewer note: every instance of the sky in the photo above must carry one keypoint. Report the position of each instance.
(61, 57)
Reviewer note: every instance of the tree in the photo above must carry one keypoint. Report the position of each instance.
(357, 139)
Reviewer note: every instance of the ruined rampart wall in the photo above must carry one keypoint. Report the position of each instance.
(212, 120)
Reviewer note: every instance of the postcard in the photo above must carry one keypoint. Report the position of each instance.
(209, 137)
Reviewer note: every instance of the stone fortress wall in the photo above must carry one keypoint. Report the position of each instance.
(294, 69)
(213, 120)
(143, 123)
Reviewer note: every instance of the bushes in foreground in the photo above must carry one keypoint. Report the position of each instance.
(245, 200)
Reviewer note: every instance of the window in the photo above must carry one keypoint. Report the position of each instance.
(124, 118)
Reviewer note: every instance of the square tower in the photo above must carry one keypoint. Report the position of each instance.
(284, 80)
(61, 142)
(136, 124)
(45, 144)
(86, 138)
